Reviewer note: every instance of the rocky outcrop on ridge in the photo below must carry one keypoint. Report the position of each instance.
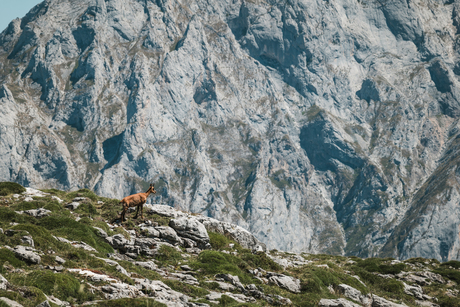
(80, 259)
(319, 126)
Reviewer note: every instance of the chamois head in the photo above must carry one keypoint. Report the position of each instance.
(151, 189)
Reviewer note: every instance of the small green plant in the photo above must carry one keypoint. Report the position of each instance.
(134, 302)
(168, 255)
(218, 241)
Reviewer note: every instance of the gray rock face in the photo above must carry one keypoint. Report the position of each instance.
(192, 229)
(287, 282)
(3, 283)
(27, 254)
(9, 302)
(327, 127)
(339, 302)
(38, 213)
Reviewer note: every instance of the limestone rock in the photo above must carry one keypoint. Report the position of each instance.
(287, 282)
(27, 254)
(339, 302)
(191, 228)
(9, 302)
(3, 283)
(38, 213)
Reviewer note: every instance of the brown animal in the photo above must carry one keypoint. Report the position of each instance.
(136, 200)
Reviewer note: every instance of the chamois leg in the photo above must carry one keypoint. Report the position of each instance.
(142, 211)
(137, 212)
(123, 213)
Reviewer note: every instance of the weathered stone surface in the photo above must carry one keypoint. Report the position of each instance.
(169, 234)
(3, 283)
(9, 302)
(44, 304)
(352, 293)
(287, 282)
(59, 260)
(378, 301)
(28, 240)
(162, 293)
(339, 302)
(27, 254)
(191, 228)
(101, 232)
(234, 280)
(38, 213)
(73, 205)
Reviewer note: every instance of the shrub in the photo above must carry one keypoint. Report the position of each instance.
(168, 255)
(73, 230)
(376, 265)
(217, 240)
(453, 263)
(186, 289)
(62, 286)
(261, 260)
(134, 302)
(214, 262)
(8, 256)
(7, 188)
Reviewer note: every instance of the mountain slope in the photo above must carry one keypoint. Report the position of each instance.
(316, 125)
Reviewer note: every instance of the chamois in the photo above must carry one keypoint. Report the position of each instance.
(136, 200)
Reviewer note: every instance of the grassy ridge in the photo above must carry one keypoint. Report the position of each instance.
(319, 279)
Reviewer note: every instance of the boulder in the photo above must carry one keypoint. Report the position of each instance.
(162, 293)
(287, 282)
(378, 301)
(3, 283)
(191, 228)
(237, 233)
(9, 302)
(73, 205)
(100, 232)
(38, 213)
(353, 294)
(168, 234)
(59, 260)
(28, 240)
(120, 290)
(234, 280)
(27, 254)
(339, 302)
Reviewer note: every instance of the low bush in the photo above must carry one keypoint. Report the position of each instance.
(131, 302)
(74, 231)
(168, 255)
(186, 289)
(63, 286)
(7, 188)
(261, 260)
(377, 265)
(214, 262)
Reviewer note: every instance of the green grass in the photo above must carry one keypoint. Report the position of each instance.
(74, 231)
(62, 285)
(377, 265)
(186, 288)
(168, 255)
(211, 262)
(131, 302)
(7, 188)
(218, 241)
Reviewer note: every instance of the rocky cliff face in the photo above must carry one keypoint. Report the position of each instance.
(320, 126)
